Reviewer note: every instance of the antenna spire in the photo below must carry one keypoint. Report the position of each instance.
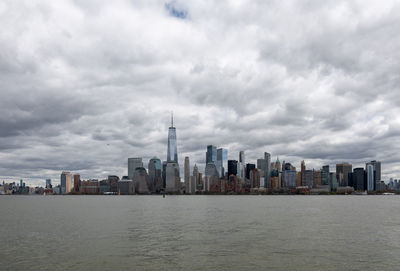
(172, 118)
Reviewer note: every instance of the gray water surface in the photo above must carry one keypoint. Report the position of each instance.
(199, 233)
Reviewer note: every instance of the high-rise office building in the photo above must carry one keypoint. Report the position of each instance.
(186, 172)
(342, 173)
(66, 182)
(317, 178)
(232, 167)
(172, 152)
(242, 165)
(371, 178)
(289, 178)
(278, 164)
(196, 179)
(325, 175)
(211, 170)
(77, 182)
(308, 178)
(134, 163)
(48, 183)
(261, 166)
(267, 170)
(164, 170)
(359, 179)
(377, 169)
(254, 177)
(222, 162)
(249, 168)
(211, 154)
(141, 181)
(155, 174)
(172, 181)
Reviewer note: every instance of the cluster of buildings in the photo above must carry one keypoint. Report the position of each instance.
(22, 189)
(220, 176)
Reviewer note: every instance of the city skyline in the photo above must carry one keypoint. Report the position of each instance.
(86, 85)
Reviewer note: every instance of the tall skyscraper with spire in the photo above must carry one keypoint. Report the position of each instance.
(172, 153)
(172, 178)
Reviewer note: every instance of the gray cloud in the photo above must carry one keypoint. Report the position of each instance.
(86, 84)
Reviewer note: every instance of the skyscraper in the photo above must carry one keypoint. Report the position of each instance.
(358, 179)
(325, 175)
(370, 178)
(211, 154)
(342, 173)
(155, 174)
(232, 167)
(66, 182)
(377, 169)
(289, 178)
(172, 175)
(308, 178)
(267, 168)
(249, 168)
(77, 182)
(133, 163)
(187, 175)
(242, 165)
(172, 152)
(222, 162)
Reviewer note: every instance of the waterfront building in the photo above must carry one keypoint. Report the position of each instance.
(290, 178)
(342, 173)
(113, 182)
(351, 181)
(222, 162)
(359, 178)
(232, 185)
(377, 169)
(89, 187)
(308, 178)
(77, 182)
(232, 167)
(155, 174)
(370, 178)
(241, 165)
(325, 175)
(333, 181)
(298, 178)
(172, 152)
(267, 168)
(192, 187)
(164, 170)
(48, 183)
(141, 181)
(172, 184)
(275, 183)
(134, 163)
(66, 182)
(186, 175)
(254, 177)
(317, 178)
(126, 186)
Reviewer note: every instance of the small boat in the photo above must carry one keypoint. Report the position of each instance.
(388, 194)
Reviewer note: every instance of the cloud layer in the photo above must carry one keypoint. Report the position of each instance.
(86, 84)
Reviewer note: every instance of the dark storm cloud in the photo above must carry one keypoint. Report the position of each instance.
(86, 84)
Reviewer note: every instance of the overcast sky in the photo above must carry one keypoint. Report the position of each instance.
(86, 84)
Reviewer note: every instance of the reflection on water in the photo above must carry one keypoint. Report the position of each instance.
(199, 232)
